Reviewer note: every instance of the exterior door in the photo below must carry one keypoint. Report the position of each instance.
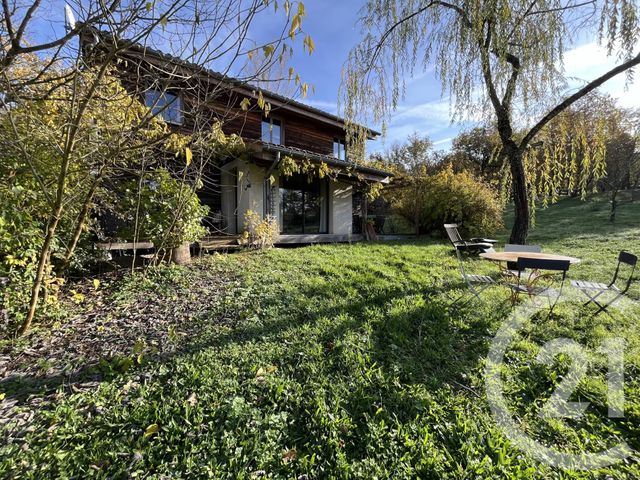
(303, 205)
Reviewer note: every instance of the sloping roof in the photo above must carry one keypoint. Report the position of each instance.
(285, 102)
(328, 159)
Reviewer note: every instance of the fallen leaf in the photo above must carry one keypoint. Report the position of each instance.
(151, 430)
(289, 455)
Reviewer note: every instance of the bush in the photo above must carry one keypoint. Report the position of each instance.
(428, 201)
(259, 232)
(21, 239)
(162, 210)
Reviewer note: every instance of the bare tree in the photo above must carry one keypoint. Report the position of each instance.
(112, 41)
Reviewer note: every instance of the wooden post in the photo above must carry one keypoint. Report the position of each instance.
(365, 209)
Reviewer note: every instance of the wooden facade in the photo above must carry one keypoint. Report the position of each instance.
(234, 186)
(207, 96)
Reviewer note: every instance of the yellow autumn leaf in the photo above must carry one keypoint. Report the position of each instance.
(188, 155)
(309, 44)
(245, 104)
(296, 22)
(268, 50)
(151, 430)
(96, 284)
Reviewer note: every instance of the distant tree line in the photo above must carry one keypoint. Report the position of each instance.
(597, 121)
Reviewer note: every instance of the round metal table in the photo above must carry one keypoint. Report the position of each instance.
(513, 256)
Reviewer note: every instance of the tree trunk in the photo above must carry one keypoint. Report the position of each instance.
(181, 255)
(365, 210)
(82, 219)
(42, 263)
(520, 228)
(614, 205)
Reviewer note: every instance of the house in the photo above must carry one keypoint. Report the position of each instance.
(307, 209)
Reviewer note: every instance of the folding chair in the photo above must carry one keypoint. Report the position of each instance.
(476, 283)
(512, 268)
(593, 290)
(529, 287)
(475, 245)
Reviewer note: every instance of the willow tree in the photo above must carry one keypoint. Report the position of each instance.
(497, 59)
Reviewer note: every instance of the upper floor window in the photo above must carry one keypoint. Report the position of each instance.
(339, 149)
(272, 130)
(166, 105)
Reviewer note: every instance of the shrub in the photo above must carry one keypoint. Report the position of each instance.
(259, 232)
(20, 242)
(429, 200)
(162, 210)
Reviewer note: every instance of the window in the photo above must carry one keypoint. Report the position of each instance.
(166, 105)
(303, 205)
(339, 149)
(272, 130)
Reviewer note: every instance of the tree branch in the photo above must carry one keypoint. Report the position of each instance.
(486, 73)
(511, 83)
(435, 3)
(577, 96)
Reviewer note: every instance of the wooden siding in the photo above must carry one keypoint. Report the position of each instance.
(204, 101)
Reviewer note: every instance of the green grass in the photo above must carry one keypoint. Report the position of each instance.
(347, 361)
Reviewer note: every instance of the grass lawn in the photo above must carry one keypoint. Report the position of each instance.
(340, 361)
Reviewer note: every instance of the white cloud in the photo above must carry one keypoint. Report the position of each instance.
(435, 111)
(433, 117)
(587, 62)
(443, 141)
(331, 107)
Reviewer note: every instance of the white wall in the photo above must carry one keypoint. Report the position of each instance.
(250, 190)
(341, 209)
(250, 196)
(228, 194)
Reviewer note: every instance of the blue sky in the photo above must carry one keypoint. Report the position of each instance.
(332, 24)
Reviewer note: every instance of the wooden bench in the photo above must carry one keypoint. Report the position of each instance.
(110, 246)
(222, 243)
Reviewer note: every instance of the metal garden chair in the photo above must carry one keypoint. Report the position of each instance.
(528, 283)
(594, 290)
(512, 268)
(475, 245)
(475, 283)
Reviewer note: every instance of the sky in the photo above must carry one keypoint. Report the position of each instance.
(425, 110)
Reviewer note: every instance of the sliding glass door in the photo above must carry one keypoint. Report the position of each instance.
(303, 205)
